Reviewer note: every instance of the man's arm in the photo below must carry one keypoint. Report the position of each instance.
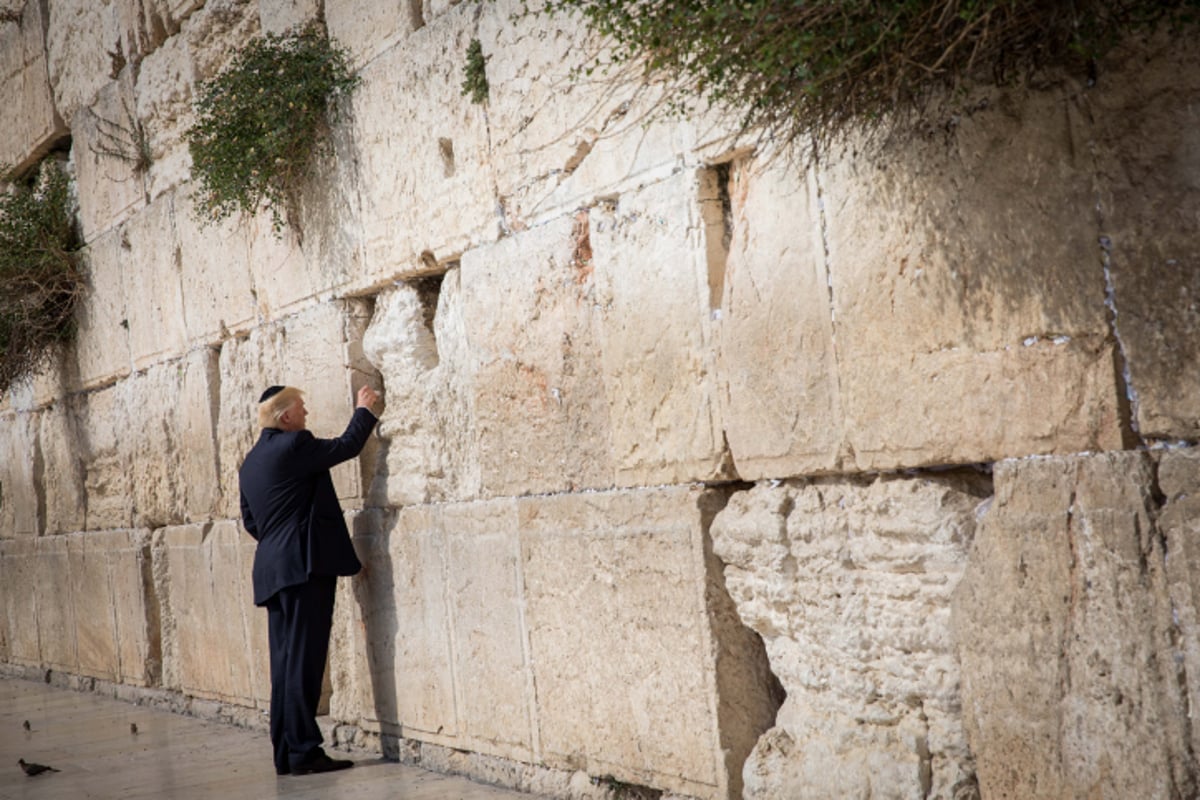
(248, 518)
(319, 454)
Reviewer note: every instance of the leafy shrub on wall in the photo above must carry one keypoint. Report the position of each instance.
(797, 69)
(40, 279)
(263, 119)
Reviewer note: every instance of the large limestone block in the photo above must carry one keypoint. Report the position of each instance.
(562, 138)
(82, 38)
(214, 30)
(107, 459)
(63, 469)
(652, 270)
(614, 597)
(1070, 658)
(151, 276)
(164, 94)
(778, 365)
(849, 583)
(426, 182)
(279, 16)
(169, 419)
(427, 438)
(409, 633)
(492, 676)
(311, 351)
(216, 284)
(114, 639)
(973, 266)
(368, 29)
(1149, 178)
(25, 85)
(21, 476)
(529, 304)
(53, 598)
(19, 566)
(106, 151)
(206, 583)
(1179, 522)
(101, 350)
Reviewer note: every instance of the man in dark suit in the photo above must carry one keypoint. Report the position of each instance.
(290, 507)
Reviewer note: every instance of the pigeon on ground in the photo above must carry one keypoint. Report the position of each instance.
(25, 725)
(32, 769)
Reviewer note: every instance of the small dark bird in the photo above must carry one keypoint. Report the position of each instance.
(25, 725)
(32, 769)
(133, 728)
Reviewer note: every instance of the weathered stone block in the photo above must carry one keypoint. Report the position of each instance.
(25, 85)
(164, 93)
(1179, 522)
(107, 469)
(428, 449)
(81, 40)
(54, 605)
(154, 303)
(102, 339)
(219, 292)
(19, 563)
(426, 184)
(655, 335)
(134, 607)
(205, 582)
(279, 16)
(309, 351)
(213, 31)
(492, 676)
(21, 475)
(419, 626)
(106, 150)
(1149, 178)
(957, 292)
(529, 304)
(368, 29)
(849, 583)
(91, 596)
(561, 140)
(614, 598)
(778, 364)
(1065, 631)
(62, 477)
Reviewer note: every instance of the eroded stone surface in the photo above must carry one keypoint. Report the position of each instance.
(20, 475)
(25, 85)
(80, 38)
(427, 439)
(778, 365)
(956, 306)
(538, 394)
(1149, 173)
(1072, 663)
(205, 578)
(614, 593)
(849, 584)
(655, 334)
(426, 184)
(106, 151)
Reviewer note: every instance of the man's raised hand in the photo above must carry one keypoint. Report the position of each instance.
(367, 397)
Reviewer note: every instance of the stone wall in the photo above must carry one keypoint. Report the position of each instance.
(675, 425)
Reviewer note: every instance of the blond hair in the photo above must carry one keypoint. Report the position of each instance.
(271, 409)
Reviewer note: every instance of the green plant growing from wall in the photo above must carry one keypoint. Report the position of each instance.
(40, 278)
(794, 69)
(475, 82)
(262, 121)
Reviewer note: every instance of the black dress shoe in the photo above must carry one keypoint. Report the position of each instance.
(321, 763)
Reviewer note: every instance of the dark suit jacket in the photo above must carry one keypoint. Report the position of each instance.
(289, 505)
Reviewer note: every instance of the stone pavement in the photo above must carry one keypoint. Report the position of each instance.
(174, 757)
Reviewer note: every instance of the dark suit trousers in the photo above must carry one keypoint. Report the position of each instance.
(299, 619)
